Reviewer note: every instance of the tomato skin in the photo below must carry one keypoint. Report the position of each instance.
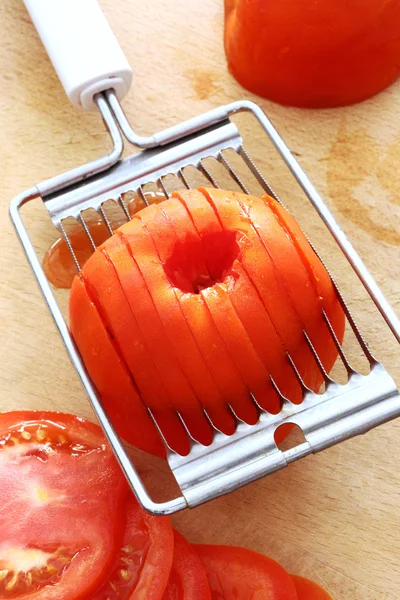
(43, 454)
(188, 578)
(235, 573)
(147, 567)
(313, 53)
(308, 590)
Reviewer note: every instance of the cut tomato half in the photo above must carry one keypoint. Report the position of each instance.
(62, 495)
(109, 373)
(308, 590)
(188, 578)
(235, 573)
(143, 561)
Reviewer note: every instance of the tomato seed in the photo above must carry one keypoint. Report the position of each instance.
(124, 573)
(26, 435)
(11, 584)
(41, 434)
(3, 574)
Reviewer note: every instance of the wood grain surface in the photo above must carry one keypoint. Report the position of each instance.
(334, 517)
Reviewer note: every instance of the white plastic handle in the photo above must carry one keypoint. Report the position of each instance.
(82, 47)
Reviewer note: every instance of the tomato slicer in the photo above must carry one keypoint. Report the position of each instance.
(96, 76)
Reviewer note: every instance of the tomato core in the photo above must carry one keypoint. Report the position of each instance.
(185, 267)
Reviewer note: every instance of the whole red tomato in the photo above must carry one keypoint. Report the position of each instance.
(313, 53)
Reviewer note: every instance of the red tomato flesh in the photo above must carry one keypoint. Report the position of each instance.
(188, 578)
(61, 497)
(237, 573)
(143, 562)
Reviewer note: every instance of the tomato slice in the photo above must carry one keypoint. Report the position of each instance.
(61, 497)
(100, 275)
(235, 573)
(308, 590)
(143, 563)
(188, 578)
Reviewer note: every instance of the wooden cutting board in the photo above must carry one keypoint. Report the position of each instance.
(334, 517)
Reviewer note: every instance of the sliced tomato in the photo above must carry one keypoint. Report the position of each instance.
(294, 270)
(178, 254)
(109, 372)
(317, 272)
(218, 358)
(308, 590)
(245, 300)
(181, 253)
(61, 495)
(160, 316)
(235, 573)
(143, 561)
(102, 279)
(188, 578)
(267, 276)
